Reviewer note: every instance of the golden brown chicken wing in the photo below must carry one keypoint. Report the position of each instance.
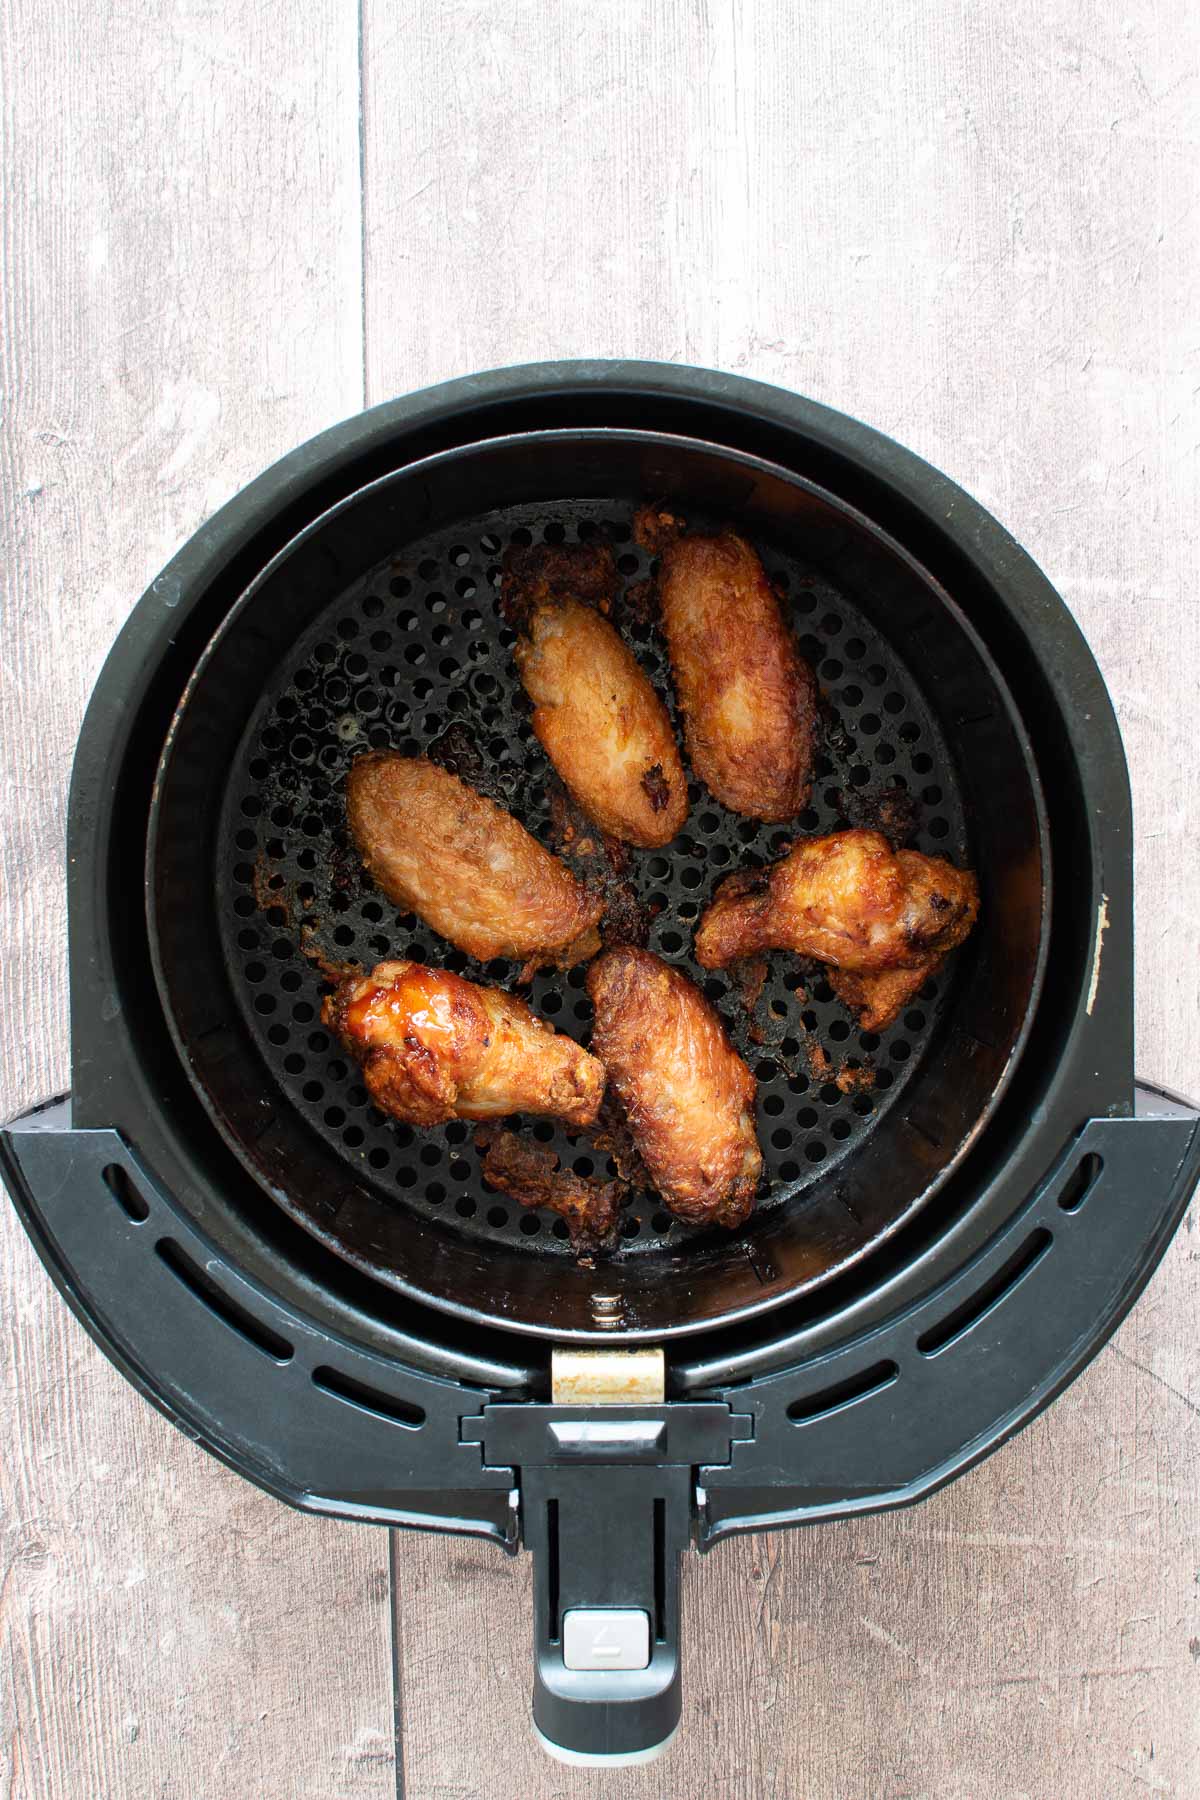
(435, 1047)
(598, 719)
(853, 902)
(472, 872)
(687, 1094)
(748, 698)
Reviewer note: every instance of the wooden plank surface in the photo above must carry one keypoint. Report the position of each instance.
(181, 304)
(975, 228)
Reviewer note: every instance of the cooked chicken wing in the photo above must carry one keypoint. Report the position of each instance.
(598, 719)
(853, 902)
(472, 872)
(529, 1173)
(435, 1047)
(687, 1094)
(748, 698)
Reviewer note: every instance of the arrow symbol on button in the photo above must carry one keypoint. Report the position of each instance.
(600, 1645)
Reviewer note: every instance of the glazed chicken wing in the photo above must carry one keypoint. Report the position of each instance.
(465, 865)
(596, 715)
(687, 1094)
(435, 1047)
(748, 698)
(872, 913)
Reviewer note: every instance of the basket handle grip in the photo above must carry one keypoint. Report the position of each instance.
(606, 1543)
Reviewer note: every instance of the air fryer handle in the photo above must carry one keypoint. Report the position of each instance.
(606, 1540)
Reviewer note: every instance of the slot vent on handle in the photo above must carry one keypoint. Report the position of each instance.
(202, 1288)
(989, 1295)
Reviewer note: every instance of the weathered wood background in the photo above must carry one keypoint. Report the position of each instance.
(226, 226)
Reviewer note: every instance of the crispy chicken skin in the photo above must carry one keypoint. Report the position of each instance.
(687, 1094)
(596, 715)
(878, 999)
(747, 697)
(465, 865)
(872, 913)
(435, 1047)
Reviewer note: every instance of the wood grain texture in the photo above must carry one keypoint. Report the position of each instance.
(975, 228)
(181, 304)
(166, 1629)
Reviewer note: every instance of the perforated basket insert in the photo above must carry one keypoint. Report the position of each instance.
(419, 645)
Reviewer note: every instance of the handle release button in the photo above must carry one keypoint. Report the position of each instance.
(606, 1638)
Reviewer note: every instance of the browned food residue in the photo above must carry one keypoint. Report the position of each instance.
(537, 572)
(638, 604)
(602, 862)
(855, 1079)
(345, 869)
(747, 978)
(270, 895)
(331, 967)
(529, 1173)
(457, 751)
(654, 527)
(613, 1137)
(892, 811)
(770, 1027)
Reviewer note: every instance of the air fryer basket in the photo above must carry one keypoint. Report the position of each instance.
(338, 1308)
(380, 626)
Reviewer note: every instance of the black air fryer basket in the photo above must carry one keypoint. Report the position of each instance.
(956, 1212)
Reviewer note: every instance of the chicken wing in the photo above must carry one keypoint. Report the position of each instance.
(748, 698)
(595, 713)
(465, 865)
(435, 1047)
(687, 1094)
(529, 1173)
(872, 913)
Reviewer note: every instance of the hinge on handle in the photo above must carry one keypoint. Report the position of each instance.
(608, 1377)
